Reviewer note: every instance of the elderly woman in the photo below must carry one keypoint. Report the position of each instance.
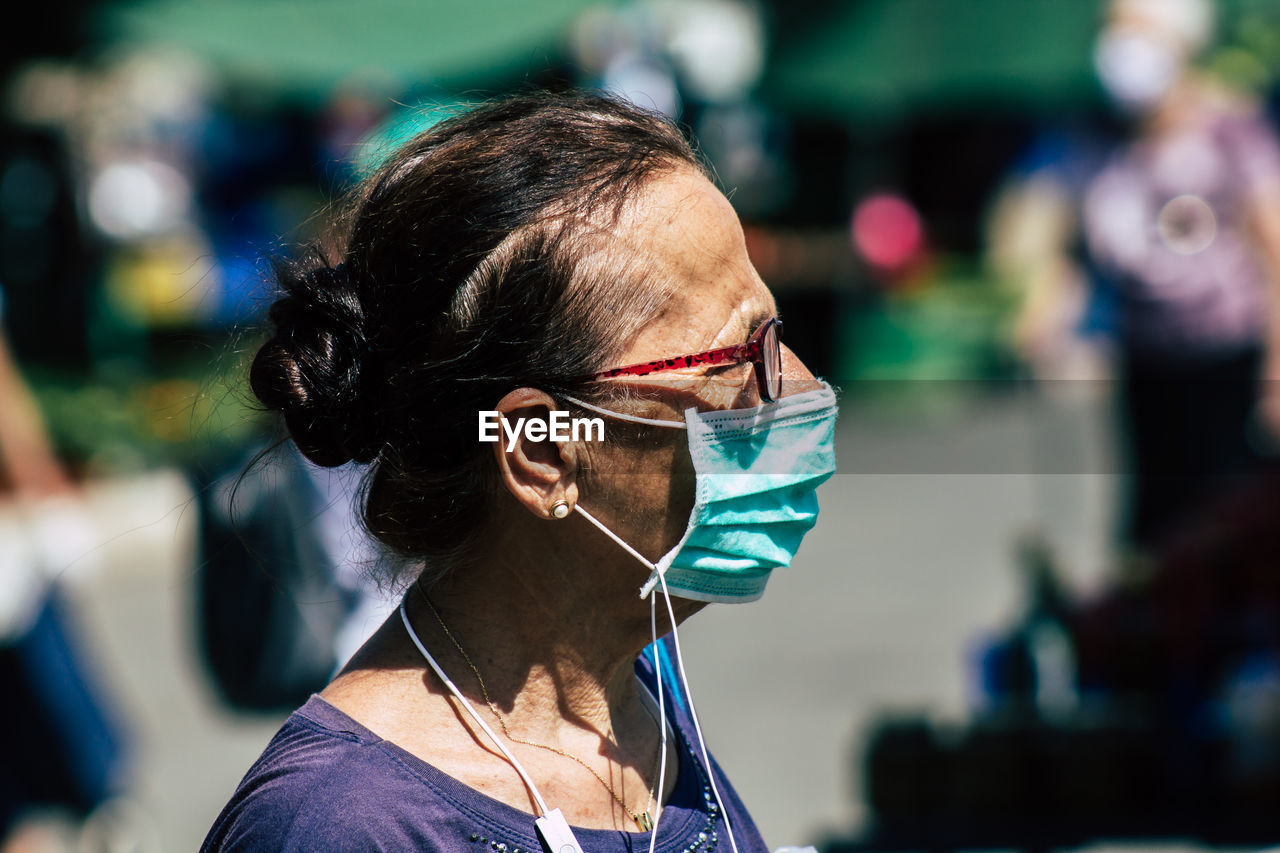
(535, 255)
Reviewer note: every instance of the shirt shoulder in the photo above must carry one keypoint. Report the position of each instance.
(325, 783)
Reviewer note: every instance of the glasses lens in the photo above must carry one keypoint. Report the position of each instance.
(771, 353)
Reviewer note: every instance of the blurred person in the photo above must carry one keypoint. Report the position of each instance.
(1185, 220)
(1179, 229)
(535, 256)
(63, 753)
(1173, 235)
(352, 557)
(1063, 326)
(283, 592)
(31, 468)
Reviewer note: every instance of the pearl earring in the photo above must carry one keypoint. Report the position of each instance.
(560, 509)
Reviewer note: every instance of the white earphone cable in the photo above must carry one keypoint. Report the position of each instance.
(662, 721)
(533, 789)
(684, 680)
(693, 714)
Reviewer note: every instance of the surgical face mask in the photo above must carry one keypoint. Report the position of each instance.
(1135, 69)
(757, 472)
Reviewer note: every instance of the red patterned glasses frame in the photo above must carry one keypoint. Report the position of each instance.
(763, 350)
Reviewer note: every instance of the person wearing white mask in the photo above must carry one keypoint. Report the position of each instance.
(1180, 230)
(1143, 52)
(1185, 222)
(537, 256)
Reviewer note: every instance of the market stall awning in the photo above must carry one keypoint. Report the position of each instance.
(306, 46)
(881, 58)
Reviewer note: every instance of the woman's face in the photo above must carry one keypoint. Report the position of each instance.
(689, 235)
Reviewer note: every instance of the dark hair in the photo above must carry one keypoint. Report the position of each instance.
(475, 261)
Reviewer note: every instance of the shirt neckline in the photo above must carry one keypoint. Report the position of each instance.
(684, 812)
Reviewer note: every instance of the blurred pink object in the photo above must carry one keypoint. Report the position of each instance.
(887, 231)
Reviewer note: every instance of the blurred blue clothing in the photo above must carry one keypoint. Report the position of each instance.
(1073, 157)
(64, 746)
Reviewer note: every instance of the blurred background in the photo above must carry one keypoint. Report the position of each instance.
(1034, 242)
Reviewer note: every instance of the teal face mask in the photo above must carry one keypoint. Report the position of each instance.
(757, 471)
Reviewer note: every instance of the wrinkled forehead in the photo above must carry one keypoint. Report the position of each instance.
(688, 233)
(681, 217)
(689, 241)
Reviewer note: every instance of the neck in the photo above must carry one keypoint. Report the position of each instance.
(530, 639)
(554, 640)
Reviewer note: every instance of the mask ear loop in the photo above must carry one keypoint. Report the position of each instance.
(684, 680)
(648, 590)
(653, 578)
(622, 416)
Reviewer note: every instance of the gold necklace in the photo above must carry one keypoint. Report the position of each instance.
(643, 819)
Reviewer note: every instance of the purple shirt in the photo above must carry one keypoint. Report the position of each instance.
(325, 782)
(1167, 220)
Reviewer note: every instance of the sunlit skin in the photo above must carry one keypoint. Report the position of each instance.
(550, 614)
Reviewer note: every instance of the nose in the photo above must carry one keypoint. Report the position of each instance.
(796, 378)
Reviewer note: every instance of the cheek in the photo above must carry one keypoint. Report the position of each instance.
(645, 495)
(796, 378)
(680, 496)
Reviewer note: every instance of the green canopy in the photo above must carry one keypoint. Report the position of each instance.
(879, 58)
(306, 46)
(870, 60)
(847, 59)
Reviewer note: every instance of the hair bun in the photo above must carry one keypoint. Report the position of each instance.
(315, 368)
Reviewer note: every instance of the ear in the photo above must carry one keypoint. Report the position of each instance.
(536, 470)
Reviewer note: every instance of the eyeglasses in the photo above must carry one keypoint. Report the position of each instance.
(763, 350)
